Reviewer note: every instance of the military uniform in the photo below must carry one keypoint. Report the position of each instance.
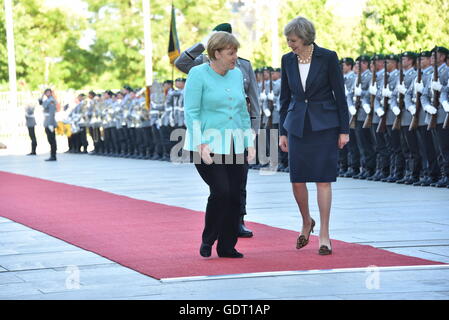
(364, 138)
(440, 135)
(31, 123)
(49, 108)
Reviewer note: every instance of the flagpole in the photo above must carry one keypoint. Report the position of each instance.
(11, 53)
(148, 49)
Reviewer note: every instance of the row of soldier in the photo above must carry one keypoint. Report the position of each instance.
(399, 126)
(121, 125)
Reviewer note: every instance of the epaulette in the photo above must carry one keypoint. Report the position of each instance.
(243, 59)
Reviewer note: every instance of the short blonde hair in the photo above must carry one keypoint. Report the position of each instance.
(302, 28)
(219, 41)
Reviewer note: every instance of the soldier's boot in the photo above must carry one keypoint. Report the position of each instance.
(442, 183)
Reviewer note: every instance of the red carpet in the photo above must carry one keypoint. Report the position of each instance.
(163, 241)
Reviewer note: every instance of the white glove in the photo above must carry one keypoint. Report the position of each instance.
(445, 106)
(373, 89)
(380, 112)
(346, 91)
(436, 85)
(419, 87)
(352, 110)
(358, 91)
(412, 109)
(386, 93)
(367, 108)
(396, 111)
(52, 128)
(430, 109)
(267, 112)
(270, 96)
(401, 88)
(263, 96)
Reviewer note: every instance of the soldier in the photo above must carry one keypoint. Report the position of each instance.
(410, 145)
(430, 92)
(382, 144)
(192, 57)
(157, 109)
(175, 103)
(49, 106)
(266, 99)
(349, 156)
(283, 156)
(107, 124)
(393, 137)
(364, 138)
(167, 120)
(31, 123)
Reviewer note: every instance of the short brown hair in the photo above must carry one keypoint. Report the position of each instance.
(219, 41)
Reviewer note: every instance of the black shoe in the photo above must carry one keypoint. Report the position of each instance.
(281, 168)
(373, 176)
(232, 254)
(51, 159)
(351, 173)
(244, 232)
(411, 180)
(392, 178)
(380, 176)
(405, 179)
(205, 250)
(357, 176)
(442, 183)
(31, 154)
(342, 172)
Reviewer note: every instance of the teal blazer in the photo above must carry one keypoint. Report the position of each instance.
(215, 111)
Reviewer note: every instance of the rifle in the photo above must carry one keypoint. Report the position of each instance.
(382, 126)
(397, 120)
(436, 94)
(369, 117)
(263, 90)
(358, 99)
(415, 118)
(270, 105)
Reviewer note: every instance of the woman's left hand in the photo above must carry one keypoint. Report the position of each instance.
(251, 154)
(343, 139)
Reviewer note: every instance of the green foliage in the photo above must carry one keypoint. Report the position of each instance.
(116, 56)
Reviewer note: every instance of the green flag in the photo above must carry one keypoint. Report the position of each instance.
(173, 44)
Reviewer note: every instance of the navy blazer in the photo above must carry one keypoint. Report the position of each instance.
(323, 98)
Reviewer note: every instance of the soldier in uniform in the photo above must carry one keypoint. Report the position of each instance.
(364, 138)
(410, 146)
(381, 147)
(283, 156)
(393, 137)
(31, 123)
(430, 171)
(175, 104)
(167, 120)
(349, 156)
(440, 135)
(193, 57)
(49, 106)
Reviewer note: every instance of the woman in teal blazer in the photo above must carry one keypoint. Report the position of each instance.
(218, 134)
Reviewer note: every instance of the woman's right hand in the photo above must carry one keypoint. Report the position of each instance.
(204, 151)
(283, 143)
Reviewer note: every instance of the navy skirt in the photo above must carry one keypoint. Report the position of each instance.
(314, 157)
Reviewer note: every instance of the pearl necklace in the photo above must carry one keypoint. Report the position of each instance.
(308, 59)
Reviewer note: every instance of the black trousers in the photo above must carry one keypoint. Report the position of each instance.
(32, 135)
(83, 138)
(441, 140)
(412, 152)
(349, 156)
(397, 159)
(428, 152)
(223, 205)
(366, 144)
(51, 137)
(382, 148)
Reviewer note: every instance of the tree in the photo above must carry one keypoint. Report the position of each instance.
(398, 25)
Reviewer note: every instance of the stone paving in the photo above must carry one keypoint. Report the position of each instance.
(403, 219)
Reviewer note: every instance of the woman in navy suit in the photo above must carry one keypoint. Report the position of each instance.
(314, 123)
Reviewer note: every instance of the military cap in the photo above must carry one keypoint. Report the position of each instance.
(277, 70)
(363, 58)
(426, 54)
(378, 56)
(441, 49)
(267, 69)
(180, 80)
(127, 87)
(168, 81)
(392, 56)
(348, 61)
(409, 54)
(223, 27)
